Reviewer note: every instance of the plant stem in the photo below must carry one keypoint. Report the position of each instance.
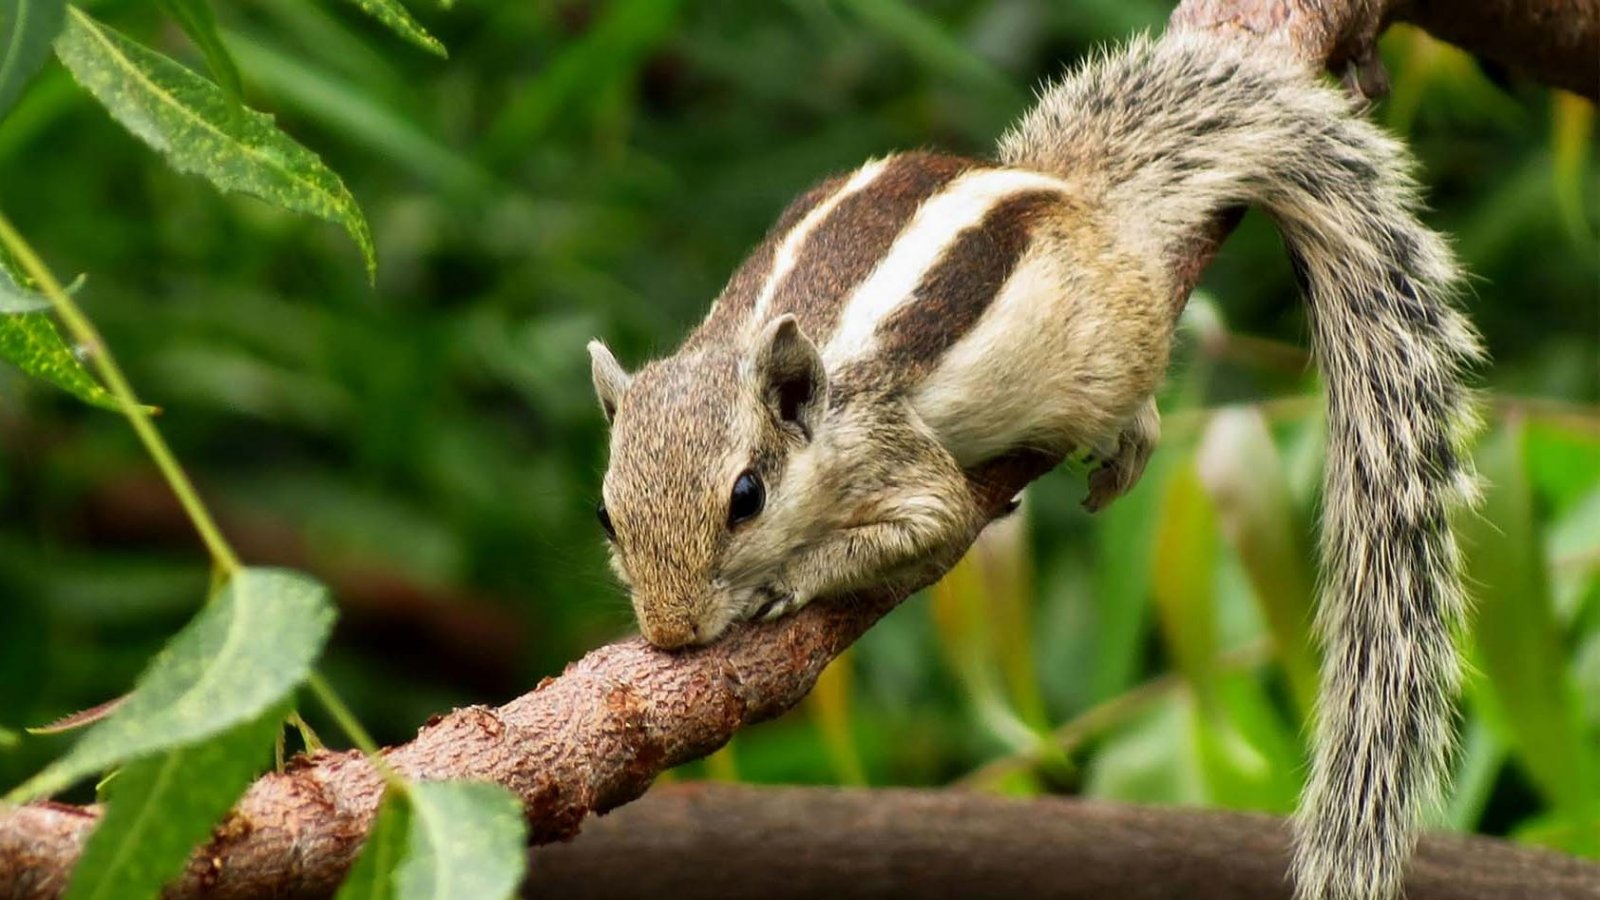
(225, 562)
(84, 332)
(352, 728)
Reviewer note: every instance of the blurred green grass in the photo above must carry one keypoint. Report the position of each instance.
(431, 448)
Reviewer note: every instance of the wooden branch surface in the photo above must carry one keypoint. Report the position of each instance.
(596, 737)
(721, 842)
(1554, 41)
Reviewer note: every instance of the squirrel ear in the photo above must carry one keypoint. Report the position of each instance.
(610, 379)
(790, 375)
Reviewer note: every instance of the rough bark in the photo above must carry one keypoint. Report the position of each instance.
(1554, 41)
(595, 737)
(715, 842)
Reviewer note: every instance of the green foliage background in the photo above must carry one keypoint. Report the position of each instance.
(429, 446)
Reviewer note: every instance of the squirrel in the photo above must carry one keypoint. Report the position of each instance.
(907, 321)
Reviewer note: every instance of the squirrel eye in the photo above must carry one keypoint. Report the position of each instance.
(748, 498)
(605, 520)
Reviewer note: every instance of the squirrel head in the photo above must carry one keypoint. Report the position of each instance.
(703, 493)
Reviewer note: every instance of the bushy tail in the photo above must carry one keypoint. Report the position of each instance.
(1167, 133)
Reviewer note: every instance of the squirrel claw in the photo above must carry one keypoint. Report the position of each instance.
(1119, 468)
(778, 603)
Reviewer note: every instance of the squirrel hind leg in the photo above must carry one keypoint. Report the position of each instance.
(1118, 469)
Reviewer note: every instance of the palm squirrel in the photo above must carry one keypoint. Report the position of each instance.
(912, 319)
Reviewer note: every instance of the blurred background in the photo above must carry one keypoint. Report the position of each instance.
(431, 448)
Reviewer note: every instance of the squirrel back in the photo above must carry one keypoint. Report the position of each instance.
(987, 296)
(1165, 134)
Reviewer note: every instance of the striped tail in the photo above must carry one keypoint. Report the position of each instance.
(1168, 133)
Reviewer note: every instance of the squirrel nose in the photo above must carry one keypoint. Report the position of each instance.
(671, 635)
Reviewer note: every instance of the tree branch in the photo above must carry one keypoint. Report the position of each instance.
(587, 741)
(1554, 41)
(596, 737)
(716, 842)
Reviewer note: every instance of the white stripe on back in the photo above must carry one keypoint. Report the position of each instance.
(789, 250)
(931, 232)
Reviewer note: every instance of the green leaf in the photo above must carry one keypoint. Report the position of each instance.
(82, 718)
(468, 841)
(244, 653)
(1126, 539)
(31, 342)
(159, 808)
(359, 114)
(200, 24)
(608, 54)
(969, 604)
(392, 14)
(1477, 765)
(1241, 746)
(1572, 149)
(190, 121)
(1248, 484)
(14, 298)
(1249, 755)
(1184, 581)
(924, 37)
(26, 29)
(1526, 678)
(830, 705)
(1151, 760)
(373, 875)
(442, 840)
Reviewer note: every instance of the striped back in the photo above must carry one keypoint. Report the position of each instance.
(893, 262)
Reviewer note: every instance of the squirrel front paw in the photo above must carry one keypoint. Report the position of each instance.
(1119, 469)
(774, 601)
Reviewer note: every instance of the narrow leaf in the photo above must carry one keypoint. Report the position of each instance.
(959, 603)
(26, 29)
(14, 298)
(190, 121)
(15, 301)
(467, 842)
(830, 705)
(608, 54)
(1183, 583)
(1007, 569)
(1477, 765)
(244, 653)
(159, 808)
(1572, 143)
(395, 16)
(1125, 564)
(1519, 644)
(83, 718)
(357, 112)
(1247, 482)
(1151, 759)
(31, 342)
(924, 37)
(1236, 738)
(200, 24)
